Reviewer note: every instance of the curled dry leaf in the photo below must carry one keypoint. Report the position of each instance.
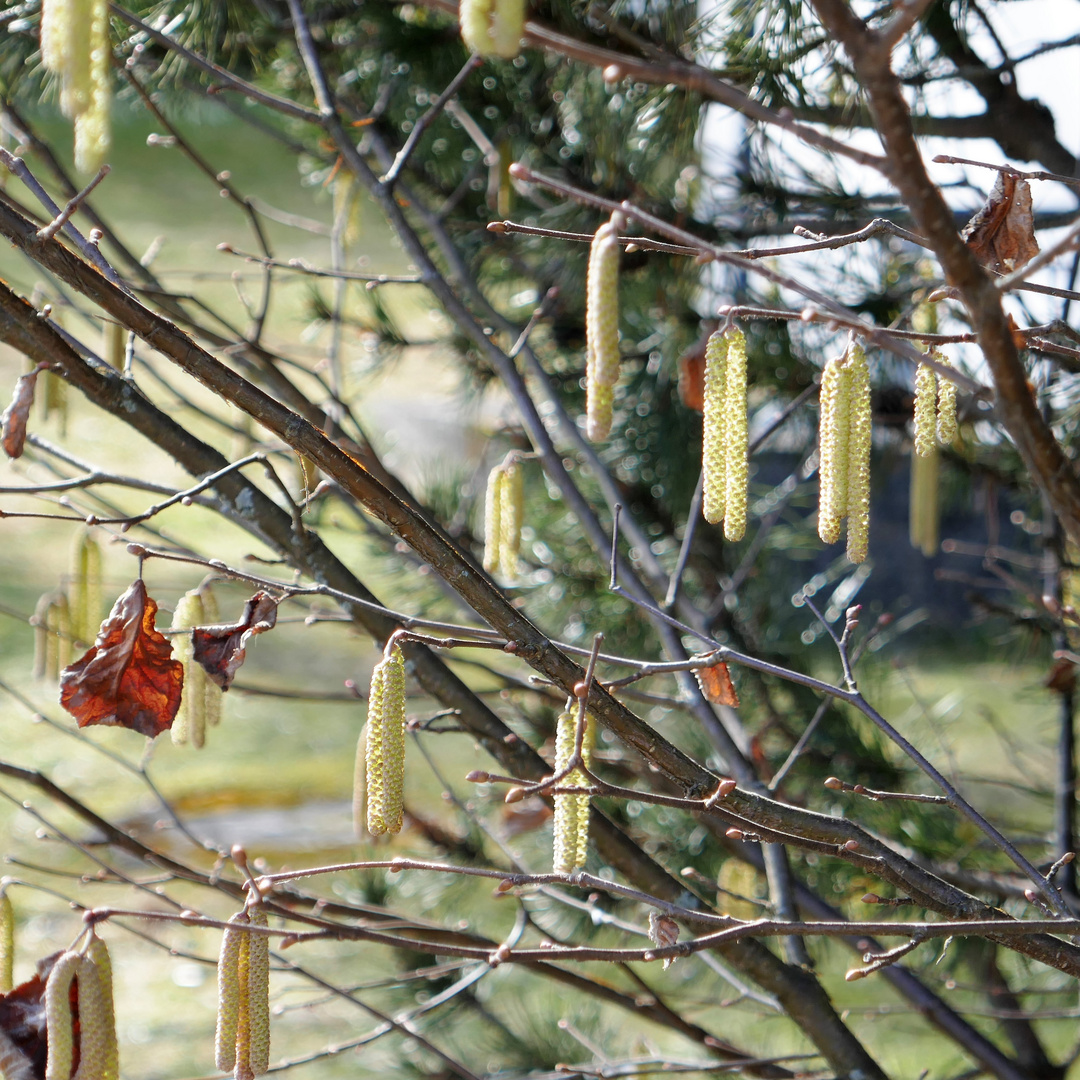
(128, 677)
(13, 421)
(23, 1040)
(1002, 233)
(663, 932)
(716, 685)
(221, 649)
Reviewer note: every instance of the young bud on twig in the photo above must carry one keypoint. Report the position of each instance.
(602, 327)
(386, 744)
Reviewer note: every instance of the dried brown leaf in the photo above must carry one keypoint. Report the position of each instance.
(221, 649)
(1002, 233)
(13, 422)
(716, 685)
(129, 677)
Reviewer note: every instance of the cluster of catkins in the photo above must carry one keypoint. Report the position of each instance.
(379, 781)
(69, 614)
(492, 27)
(844, 451)
(75, 47)
(571, 809)
(98, 1055)
(504, 510)
(200, 700)
(242, 1040)
(724, 455)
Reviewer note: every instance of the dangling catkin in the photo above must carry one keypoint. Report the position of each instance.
(52, 636)
(946, 408)
(860, 431)
(714, 457)
(199, 689)
(58, 1022)
(735, 437)
(359, 791)
(512, 512)
(833, 463)
(215, 696)
(98, 1052)
(492, 27)
(493, 520)
(925, 404)
(924, 507)
(258, 1008)
(84, 587)
(7, 943)
(571, 825)
(233, 942)
(386, 745)
(602, 327)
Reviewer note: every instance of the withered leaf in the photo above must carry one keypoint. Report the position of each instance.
(23, 1040)
(716, 685)
(13, 422)
(692, 376)
(1002, 233)
(663, 932)
(128, 677)
(221, 649)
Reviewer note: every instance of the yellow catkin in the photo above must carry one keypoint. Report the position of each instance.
(735, 437)
(359, 791)
(53, 397)
(215, 696)
(190, 722)
(860, 432)
(58, 1024)
(602, 328)
(835, 401)
(386, 745)
(98, 1051)
(93, 134)
(242, 1066)
(492, 27)
(52, 635)
(924, 507)
(512, 512)
(925, 409)
(946, 407)
(571, 824)
(84, 587)
(113, 344)
(229, 993)
(493, 520)
(714, 460)
(65, 39)
(7, 943)
(258, 997)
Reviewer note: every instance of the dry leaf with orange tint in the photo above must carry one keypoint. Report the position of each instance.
(128, 678)
(692, 377)
(221, 649)
(1002, 233)
(13, 422)
(23, 1040)
(663, 932)
(716, 685)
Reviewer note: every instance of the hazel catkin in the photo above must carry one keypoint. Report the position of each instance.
(735, 437)
(571, 824)
(84, 587)
(492, 27)
(493, 519)
(200, 700)
(229, 992)
(7, 943)
(860, 432)
(258, 1003)
(385, 755)
(602, 328)
(98, 1050)
(58, 1019)
(714, 457)
(925, 405)
(833, 461)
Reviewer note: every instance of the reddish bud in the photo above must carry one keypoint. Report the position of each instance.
(734, 834)
(515, 794)
(834, 783)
